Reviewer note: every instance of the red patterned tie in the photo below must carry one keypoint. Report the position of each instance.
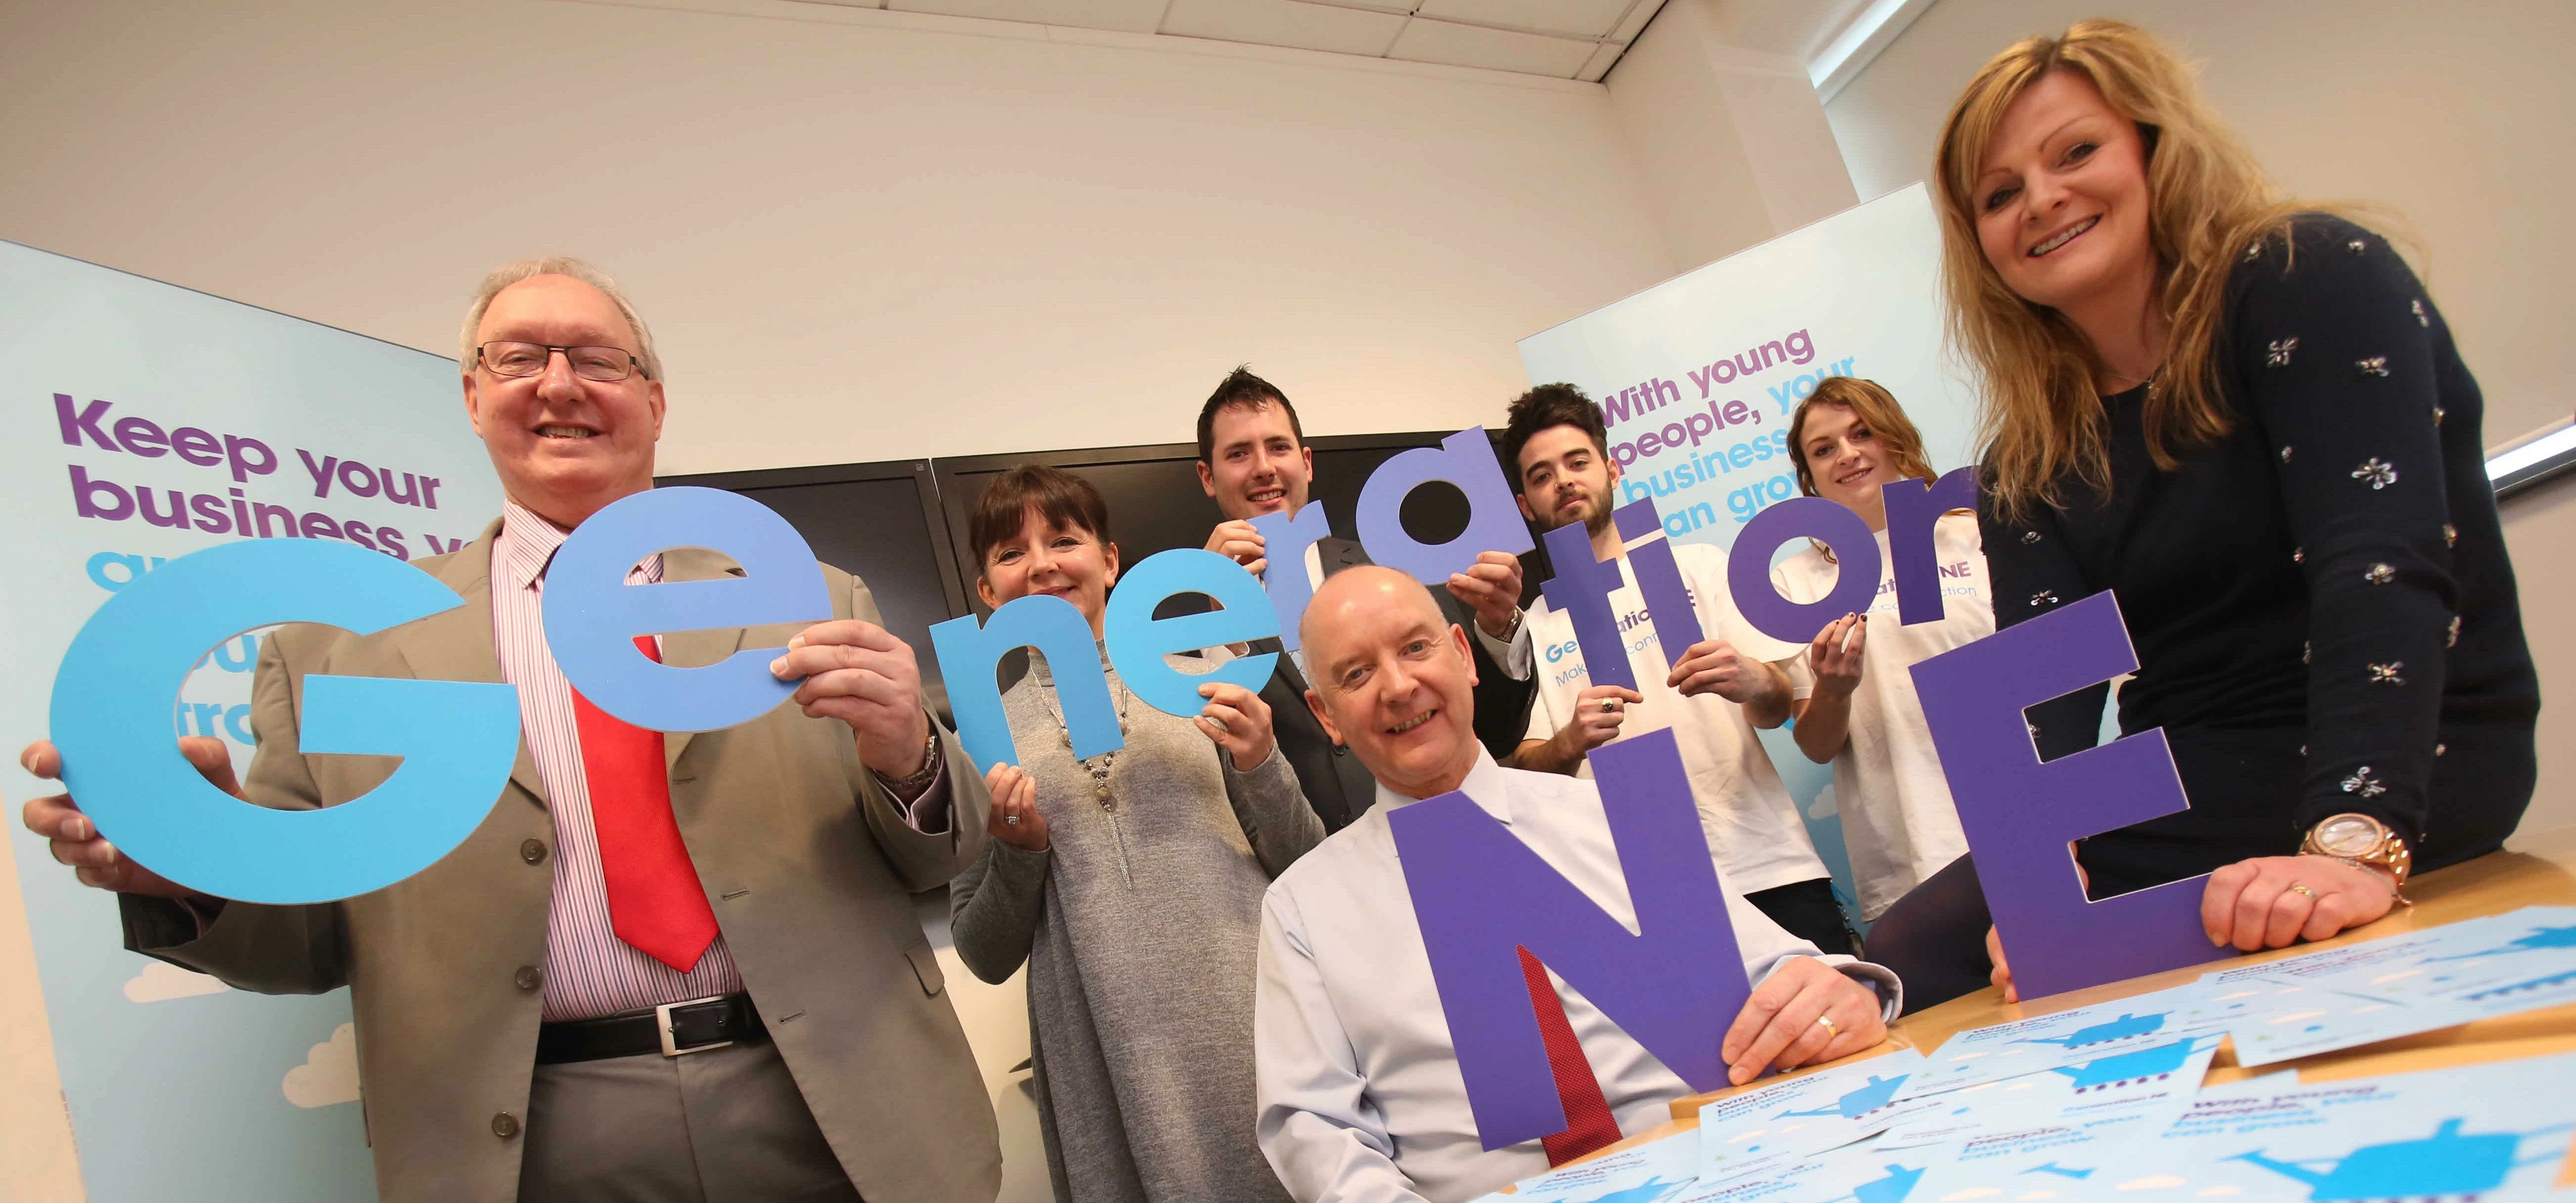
(654, 900)
(1588, 1125)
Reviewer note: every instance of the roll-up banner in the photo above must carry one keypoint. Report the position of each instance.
(1697, 378)
(150, 421)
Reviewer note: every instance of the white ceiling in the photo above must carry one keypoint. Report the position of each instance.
(1566, 39)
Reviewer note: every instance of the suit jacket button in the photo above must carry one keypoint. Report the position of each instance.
(529, 977)
(533, 852)
(505, 1125)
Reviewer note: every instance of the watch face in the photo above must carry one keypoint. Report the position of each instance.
(2348, 835)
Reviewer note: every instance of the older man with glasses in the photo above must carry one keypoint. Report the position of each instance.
(564, 1007)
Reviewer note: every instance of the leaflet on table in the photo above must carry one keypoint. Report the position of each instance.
(2481, 1131)
(2043, 1142)
(1854, 1173)
(2094, 1094)
(2028, 1046)
(2494, 965)
(1649, 1173)
(1793, 1117)
(2401, 985)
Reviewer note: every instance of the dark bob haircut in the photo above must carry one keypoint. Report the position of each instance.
(1063, 498)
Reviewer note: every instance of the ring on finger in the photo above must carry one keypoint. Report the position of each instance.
(1609, 705)
(2296, 888)
(1831, 1032)
(1011, 820)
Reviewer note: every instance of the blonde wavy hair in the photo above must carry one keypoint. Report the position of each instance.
(1877, 409)
(2208, 202)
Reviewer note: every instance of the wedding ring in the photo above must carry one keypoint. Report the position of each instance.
(1831, 1032)
(1011, 820)
(2296, 888)
(1220, 723)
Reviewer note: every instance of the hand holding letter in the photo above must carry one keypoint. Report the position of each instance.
(1236, 540)
(1239, 721)
(862, 675)
(1835, 656)
(1492, 588)
(1015, 819)
(74, 840)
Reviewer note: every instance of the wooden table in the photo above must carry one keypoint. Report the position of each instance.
(2489, 885)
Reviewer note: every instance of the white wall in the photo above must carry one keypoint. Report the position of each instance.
(2453, 115)
(858, 241)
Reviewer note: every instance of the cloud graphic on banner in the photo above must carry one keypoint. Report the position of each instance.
(162, 981)
(329, 1073)
(1825, 805)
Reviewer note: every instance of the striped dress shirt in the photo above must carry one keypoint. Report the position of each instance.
(589, 971)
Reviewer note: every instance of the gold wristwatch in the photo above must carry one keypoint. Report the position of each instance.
(2363, 842)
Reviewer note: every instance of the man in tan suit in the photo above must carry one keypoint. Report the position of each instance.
(563, 1008)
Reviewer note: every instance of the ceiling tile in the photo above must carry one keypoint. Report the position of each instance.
(1284, 23)
(1635, 22)
(1427, 41)
(1603, 58)
(1581, 18)
(1131, 16)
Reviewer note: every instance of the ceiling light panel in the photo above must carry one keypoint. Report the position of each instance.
(1128, 16)
(1285, 23)
(1429, 41)
(1578, 18)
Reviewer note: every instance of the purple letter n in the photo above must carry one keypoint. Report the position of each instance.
(2019, 813)
(1481, 896)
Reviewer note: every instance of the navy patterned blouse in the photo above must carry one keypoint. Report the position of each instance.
(2323, 610)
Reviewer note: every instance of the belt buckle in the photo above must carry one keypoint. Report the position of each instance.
(662, 1022)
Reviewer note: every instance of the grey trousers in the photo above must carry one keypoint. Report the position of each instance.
(719, 1126)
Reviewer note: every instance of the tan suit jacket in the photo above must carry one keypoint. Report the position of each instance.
(804, 857)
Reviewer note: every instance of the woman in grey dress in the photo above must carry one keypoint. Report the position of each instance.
(1131, 884)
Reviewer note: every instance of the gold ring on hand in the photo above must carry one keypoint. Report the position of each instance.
(2296, 888)
(1831, 1032)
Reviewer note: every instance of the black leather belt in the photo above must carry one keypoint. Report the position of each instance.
(672, 1029)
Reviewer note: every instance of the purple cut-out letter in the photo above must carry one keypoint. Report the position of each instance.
(2019, 813)
(1668, 600)
(1912, 508)
(1581, 589)
(1481, 896)
(1748, 567)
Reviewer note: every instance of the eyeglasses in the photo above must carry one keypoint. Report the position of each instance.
(606, 365)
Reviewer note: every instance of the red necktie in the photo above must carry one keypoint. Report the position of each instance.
(1588, 1125)
(654, 900)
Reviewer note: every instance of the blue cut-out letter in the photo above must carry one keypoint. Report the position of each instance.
(1659, 578)
(592, 615)
(2019, 813)
(968, 652)
(1284, 541)
(1465, 459)
(1137, 640)
(1912, 508)
(1748, 567)
(111, 720)
(1581, 591)
(1481, 896)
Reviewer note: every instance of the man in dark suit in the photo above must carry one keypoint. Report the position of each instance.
(1253, 460)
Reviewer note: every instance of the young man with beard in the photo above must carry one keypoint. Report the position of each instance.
(1253, 460)
(1712, 696)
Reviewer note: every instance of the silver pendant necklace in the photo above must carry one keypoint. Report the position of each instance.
(1098, 766)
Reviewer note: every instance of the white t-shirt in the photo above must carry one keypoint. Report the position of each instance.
(1752, 827)
(1898, 822)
